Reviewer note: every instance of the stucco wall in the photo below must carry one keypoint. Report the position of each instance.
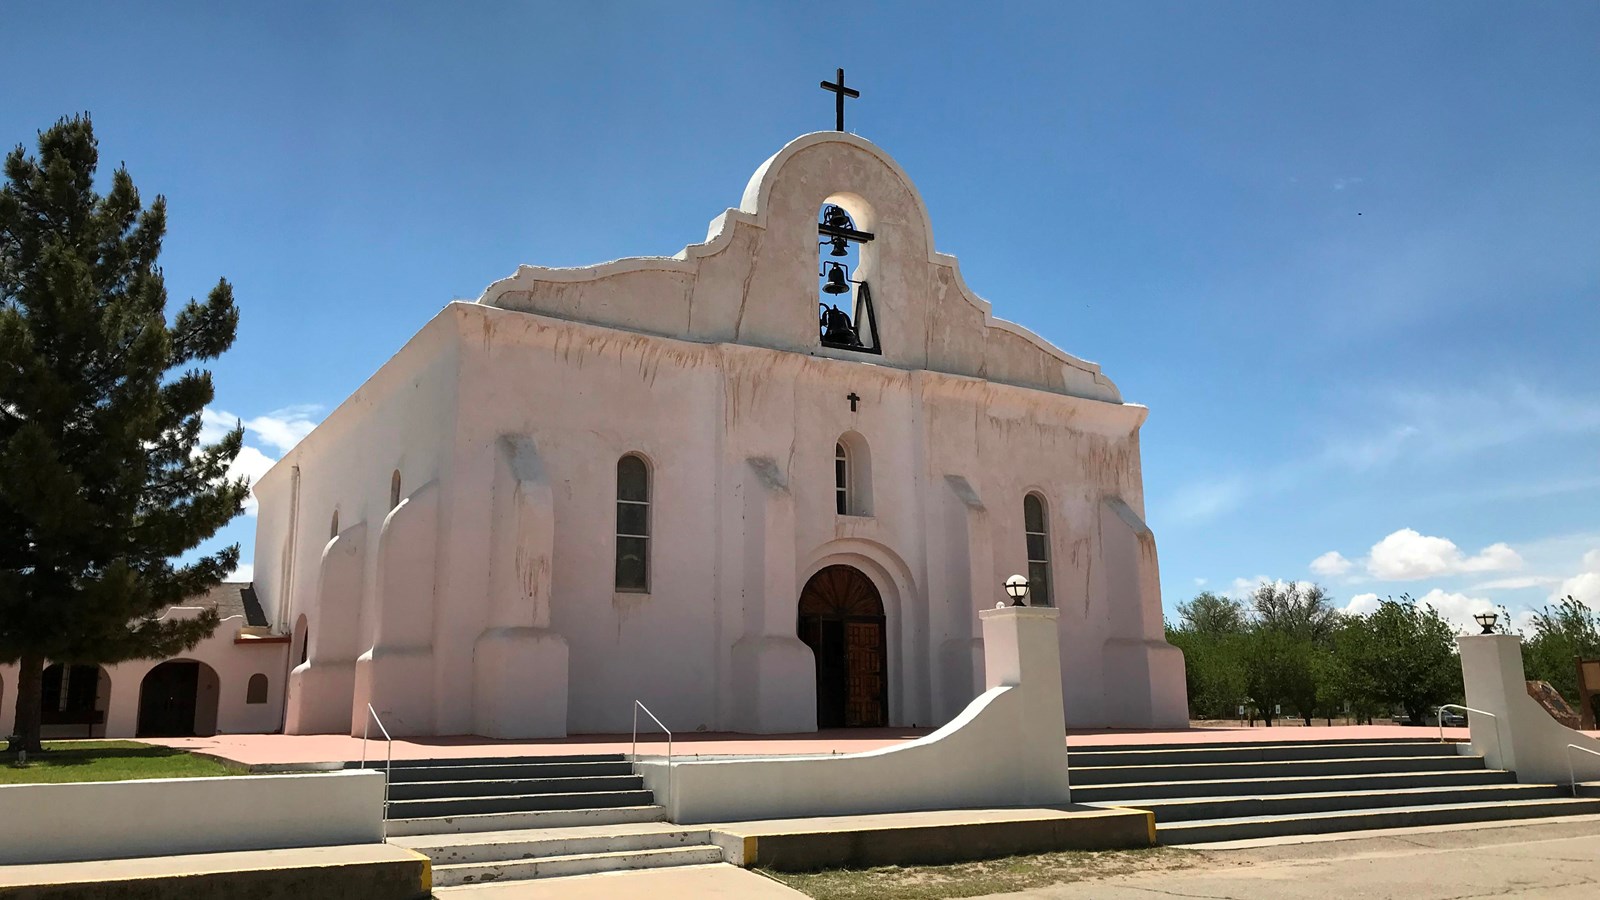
(121, 819)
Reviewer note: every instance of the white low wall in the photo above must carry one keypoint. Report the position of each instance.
(163, 817)
(1007, 748)
(1521, 737)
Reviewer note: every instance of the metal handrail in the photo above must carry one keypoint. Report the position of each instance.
(388, 771)
(633, 752)
(1572, 774)
(1499, 750)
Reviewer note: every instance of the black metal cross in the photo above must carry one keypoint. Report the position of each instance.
(854, 399)
(840, 92)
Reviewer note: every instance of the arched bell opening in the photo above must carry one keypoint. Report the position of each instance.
(847, 320)
(841, 619)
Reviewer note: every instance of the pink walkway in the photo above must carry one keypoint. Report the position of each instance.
(278, 749)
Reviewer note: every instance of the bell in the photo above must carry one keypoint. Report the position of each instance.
(835, 217)
(836, 282)
(841, 246)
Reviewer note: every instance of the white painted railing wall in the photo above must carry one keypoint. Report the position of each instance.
(42, 823)
(1007, 748)
(1530, 742)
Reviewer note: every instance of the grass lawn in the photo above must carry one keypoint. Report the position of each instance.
(65, 761)
(974, 879)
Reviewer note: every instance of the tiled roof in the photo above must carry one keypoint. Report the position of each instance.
(233, 598)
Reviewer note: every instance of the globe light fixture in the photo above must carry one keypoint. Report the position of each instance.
(1486, 620)
(1017, 589)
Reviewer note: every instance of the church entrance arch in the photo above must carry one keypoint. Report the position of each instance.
(178, 699)
(841, 619)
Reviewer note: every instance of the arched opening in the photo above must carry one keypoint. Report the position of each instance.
(852, 475)
(633, 525)
(178, 699)
(847, 321)
(1036, 525)
(73, 700)
(301, 648)
(256, 689)
(841, 619)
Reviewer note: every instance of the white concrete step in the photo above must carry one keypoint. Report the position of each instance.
(1100, 775)
(1135, 793)
(503, 787)
(1230, 829)
(503, 803)
(512, 846)
(511, 821)
(449, 771)
(1170, 754)
(1203, 808)
(575, 864)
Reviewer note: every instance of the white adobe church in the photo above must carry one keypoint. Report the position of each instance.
(673, 480)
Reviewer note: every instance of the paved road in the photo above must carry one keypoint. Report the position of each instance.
(1558, 861)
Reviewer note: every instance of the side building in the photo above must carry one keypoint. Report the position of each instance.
(231, 682)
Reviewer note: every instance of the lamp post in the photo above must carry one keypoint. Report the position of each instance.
(1017, 590)
(1486, 621)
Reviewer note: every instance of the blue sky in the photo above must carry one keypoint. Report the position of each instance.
(1348, 253)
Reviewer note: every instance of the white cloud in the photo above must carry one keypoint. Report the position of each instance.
(1200, 582)
(1584, 586)
(1331, 564)
(279, 430)
(1362, 605)
(1242, 588)
(1407, 555)
(283, 428)
(251, 464)
(1457, 609)
(1348, 181)
(244, 572)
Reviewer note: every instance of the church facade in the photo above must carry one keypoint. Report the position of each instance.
(764, 485)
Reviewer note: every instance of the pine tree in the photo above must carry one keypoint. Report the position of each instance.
(103, 480)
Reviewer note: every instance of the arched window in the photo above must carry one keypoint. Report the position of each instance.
(394, 489)
(852, 475)
(1035, 522)
(841, 479)
(633, 525)
(256, 690)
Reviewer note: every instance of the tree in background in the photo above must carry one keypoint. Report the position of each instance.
(1210, 633)
(1293, 627)
(103, 481)
(1404, 653)
(1560, 636)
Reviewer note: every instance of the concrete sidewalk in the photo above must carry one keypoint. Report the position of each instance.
(715, 882)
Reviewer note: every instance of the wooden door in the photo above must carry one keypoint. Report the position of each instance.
(167, 700)
(841, 618)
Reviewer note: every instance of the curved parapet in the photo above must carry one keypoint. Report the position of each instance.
(754, 279)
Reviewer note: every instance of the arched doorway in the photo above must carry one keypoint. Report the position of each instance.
(841, 619)
(178, 699)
